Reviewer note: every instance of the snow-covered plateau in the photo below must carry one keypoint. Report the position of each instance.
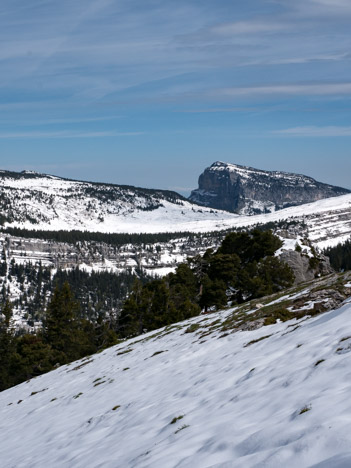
(51, 203)
(195, 394)
(34, 202)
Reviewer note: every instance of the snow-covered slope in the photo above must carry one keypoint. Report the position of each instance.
(39, 201)
(192, 396)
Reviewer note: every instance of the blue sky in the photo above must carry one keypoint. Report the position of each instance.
(151, 92)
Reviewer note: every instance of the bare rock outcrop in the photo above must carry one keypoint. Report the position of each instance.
(304, 269)
(246, 190)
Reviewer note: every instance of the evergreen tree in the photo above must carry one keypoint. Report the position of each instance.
(33, 357)
(63, 330)
(7, 346)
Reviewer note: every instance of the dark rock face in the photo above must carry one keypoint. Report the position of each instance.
(249, 191)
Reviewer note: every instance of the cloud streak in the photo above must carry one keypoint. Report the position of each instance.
(249, 27)
(66, 134)
(316, 89)
(316, 132)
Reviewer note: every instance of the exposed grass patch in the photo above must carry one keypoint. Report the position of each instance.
(256, 341)
(223, 335)
(99, 383)
(345, 339)
(192, 328)
(99, 378)
(39, 391)
(319, 362)
(126, 368)
(158, 352)
(203, 335)
(177, 418)
(272, 314)
(81, 365)
(125, 351)
(181, 428)
(305, 409)
(116, 407)
(78, 395)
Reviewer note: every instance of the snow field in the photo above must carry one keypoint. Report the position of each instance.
(280, 401)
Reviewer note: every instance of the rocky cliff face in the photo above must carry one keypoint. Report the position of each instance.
(249, 191)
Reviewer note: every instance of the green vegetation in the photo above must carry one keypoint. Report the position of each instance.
(76, 322)
(192, 328)
(181, 428)
(340, 256)
(156, 353)
(319, 362)
(65, 337)
(74, 236)
(257, 341)
(177, 418)
(305, 409)
(242, 269)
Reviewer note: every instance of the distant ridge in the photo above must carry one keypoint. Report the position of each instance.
(248, 191)
(32, 200)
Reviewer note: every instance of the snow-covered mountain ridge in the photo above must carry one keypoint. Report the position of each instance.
(42, 201)
(245, 190)
(36, 201)
(201, 393)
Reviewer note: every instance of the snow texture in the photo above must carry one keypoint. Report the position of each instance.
(283, 401)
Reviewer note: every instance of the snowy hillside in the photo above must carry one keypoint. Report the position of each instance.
(34, 201)
(46, 202)
(197, 394)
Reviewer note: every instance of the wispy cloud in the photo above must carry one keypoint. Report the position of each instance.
(335, 5)
(249, 27)
(66, 134)
(295, 60)
(288, 89)
(314, 131)
(219, 110)
(59, 121)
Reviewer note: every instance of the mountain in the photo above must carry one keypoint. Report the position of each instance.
(35, 202)
(221, 390)
(40, 201)
(249, 191)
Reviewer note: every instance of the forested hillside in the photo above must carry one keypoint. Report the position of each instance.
(340, 256)
(84, 313)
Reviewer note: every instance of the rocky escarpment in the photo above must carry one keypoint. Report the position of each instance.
(245, 190)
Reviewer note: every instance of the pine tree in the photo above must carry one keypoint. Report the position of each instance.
(7, 346)
(63, 329)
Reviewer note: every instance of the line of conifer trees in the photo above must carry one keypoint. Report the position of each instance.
(243, 268)
(340, 256)
(64, 337)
